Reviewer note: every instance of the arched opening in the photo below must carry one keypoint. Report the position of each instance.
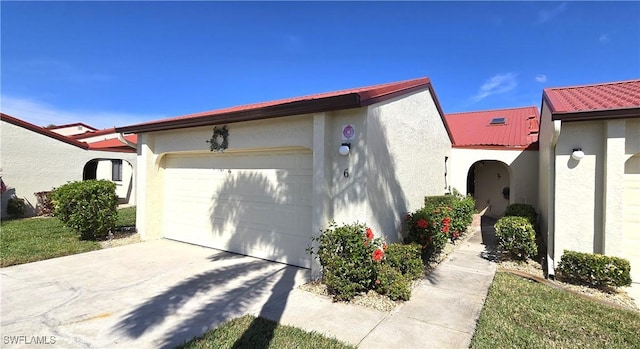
(90, 170)
(489, 182)
(118, 171)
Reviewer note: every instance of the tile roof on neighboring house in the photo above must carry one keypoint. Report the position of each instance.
(42, 131)
(55, 127)
(495, 129)
(114, 144)
(106, 145)
(620, 99)
(93, 133)
(316, 103)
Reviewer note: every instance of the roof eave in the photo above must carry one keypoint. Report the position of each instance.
(347, 101)
(622, 113)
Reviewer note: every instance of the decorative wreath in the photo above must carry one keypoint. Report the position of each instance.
(220, 139)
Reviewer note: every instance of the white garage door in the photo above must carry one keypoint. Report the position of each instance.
(632, 215)
(257, 204)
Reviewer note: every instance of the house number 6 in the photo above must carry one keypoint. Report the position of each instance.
(346, 173)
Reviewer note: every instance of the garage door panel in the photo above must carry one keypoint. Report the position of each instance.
(254, 204)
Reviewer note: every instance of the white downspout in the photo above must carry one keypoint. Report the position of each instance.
(125, 141)
(557, 125)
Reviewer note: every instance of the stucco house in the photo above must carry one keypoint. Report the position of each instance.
(36, 159)
(495, 157)
(590, 171)
(368, 154)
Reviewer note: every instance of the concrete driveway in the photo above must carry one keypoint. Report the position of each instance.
(154, 294)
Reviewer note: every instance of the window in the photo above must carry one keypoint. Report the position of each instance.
(497, 121)
(116, 170)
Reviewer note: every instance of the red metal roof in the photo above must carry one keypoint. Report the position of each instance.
(474, 129)
(42, 131)
(603, 97)
(321, 102)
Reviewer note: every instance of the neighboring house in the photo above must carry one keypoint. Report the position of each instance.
(71, 129)
(495, 157)
(282, 177)
(590, 171)
(36, 159)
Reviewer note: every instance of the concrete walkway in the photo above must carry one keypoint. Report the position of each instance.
(442, 312)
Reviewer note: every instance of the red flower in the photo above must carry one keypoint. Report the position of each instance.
(378, 254)
(445, 229)
(422, 223)
(377, 281)
(456, 234)
(369, 234)
(446, 220)
(384, 247)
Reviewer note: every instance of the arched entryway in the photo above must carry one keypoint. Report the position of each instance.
(489, 182)
(118, 171)
(631, 207)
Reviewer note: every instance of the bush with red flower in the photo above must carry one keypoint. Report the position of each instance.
(442, 218)
(352, 259)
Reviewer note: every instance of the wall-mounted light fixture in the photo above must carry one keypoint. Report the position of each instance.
(344, 149)
(577, 154)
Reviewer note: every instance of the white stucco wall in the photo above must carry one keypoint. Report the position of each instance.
(406, 146)
(581, 201)
(32, 162)
(579, 188)
(521, 176)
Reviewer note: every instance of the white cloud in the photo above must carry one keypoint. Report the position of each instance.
(43, 114)
(541, 78)
(547, 15)
(500, 83)
(604, 38)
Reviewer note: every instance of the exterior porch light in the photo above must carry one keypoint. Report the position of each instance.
(344, 149)
(577, 154)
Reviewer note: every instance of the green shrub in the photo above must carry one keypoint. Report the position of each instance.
(16, 207)
(594, 270)
(523, 210)
(516, 237)
(348, 256)
(462, 215)
(88, 207)
(406, 259)
(440, 200)
(392, 283)
(44, 206)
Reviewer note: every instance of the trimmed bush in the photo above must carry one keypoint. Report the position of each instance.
(350, 257)
(406, 259)
(88, 207)
(393, 284)
(462, 215)
(44, 205)
(522, 210)
(516, 237)
(440, 200)
(16, 207)
(594, 270)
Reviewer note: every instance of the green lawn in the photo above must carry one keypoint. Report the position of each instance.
(35, 239)
(251, 332)
(519, 313)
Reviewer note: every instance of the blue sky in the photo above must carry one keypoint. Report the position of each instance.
(118, 63)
